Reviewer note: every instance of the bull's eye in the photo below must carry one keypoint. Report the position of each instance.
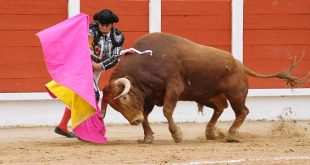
(124, 98)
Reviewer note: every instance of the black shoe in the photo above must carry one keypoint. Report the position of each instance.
(59, 131)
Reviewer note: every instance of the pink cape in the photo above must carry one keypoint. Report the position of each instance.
(67, 58)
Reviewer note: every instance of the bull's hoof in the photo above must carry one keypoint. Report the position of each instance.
(220, 134)
(177, 135)
(210, 134)
(232, 138)
(147, 140)
(214, 133)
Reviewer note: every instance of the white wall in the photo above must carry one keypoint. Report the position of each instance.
(44, 111)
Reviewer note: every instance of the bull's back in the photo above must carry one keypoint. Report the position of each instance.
(167, 46)
(200, 66)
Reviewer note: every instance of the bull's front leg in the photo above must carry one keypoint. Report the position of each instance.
(173, 91)
(148, 132)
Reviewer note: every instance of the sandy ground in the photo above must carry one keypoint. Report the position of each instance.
(261, 143)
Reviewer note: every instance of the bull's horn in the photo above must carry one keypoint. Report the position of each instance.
(126, 84)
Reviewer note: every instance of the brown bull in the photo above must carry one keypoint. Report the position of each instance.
(180, 69)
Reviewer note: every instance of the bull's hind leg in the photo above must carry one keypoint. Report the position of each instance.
(241, 111)
(218, 103)
(173, 91)
(210, 129)
(236, 90)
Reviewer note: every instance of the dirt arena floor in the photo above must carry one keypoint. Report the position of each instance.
(262, 142)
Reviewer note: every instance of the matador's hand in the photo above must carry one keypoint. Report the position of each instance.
(96, 66)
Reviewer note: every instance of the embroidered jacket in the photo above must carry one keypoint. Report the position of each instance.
(105, 47)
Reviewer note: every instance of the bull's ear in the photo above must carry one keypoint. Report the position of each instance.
(117, 89)
(112, 90)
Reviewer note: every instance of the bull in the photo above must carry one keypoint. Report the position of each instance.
(180, 69)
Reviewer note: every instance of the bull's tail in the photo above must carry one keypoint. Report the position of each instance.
(252, 73)
(291, 80)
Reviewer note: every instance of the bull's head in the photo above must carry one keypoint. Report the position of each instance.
(126, 99)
